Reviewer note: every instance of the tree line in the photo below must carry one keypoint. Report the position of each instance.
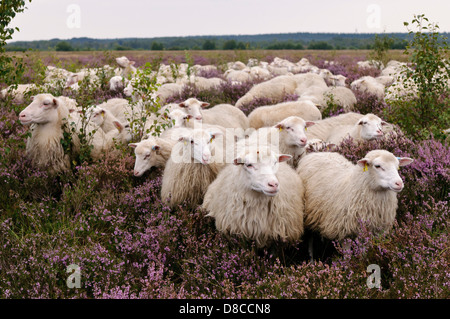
(287, 41)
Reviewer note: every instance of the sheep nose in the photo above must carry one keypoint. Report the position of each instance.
(21, 116)
(399, 184)
(303, 140)
(273, 184)
(136, 173)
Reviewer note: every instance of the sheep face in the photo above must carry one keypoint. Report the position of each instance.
(371, 127)
(294, 129)
(179, 118)
(145, 152)
(260, 167)
(96, 115)
(194, 107)
(382, 167)
(199, 144)
(42, 110)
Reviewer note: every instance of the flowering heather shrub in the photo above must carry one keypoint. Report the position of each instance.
(226, 93)
(213, 73)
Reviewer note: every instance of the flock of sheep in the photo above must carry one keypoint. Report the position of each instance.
(258, 176)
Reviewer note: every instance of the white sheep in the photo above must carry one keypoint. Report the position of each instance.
(168, 90)
(368, 128)
(46, 116)
(190, 168)
(370, 64)
(259, 197)
(238, 65)
(287, 137)
(117, 83)
(386, 80)
(342, 96)
(108, 122)
(151, 152)
(49, 119)
(127, 66)
(368, 84)
(73, 79)
(275, 89)
(339, 95)
(339, 194)
(205, 84)
(17, 94)
(179, 117)
(272, 114)
(260, 73)
(321, 130)
(240, 76)
(54, 74)
(121, 109)
(224, 115)
(306, 80)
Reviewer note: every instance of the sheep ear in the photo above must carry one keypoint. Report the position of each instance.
(238, 161)
(279, 126)
(284, 157)
(118, 125)
(132, 62)
(383, 123)
(215, 134)
(403, 161)
(133, 145)
(364, 162)
(310, 123)
(182, 104)
(204, 104)
(55, 102)
(361, 122)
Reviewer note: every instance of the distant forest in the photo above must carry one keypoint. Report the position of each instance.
(280, 41)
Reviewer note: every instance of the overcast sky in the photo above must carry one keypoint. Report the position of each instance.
(64, 19)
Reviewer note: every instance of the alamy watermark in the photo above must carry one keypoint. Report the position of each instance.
(374, 19)
(74, 19)
(74, 279)
(374, 280)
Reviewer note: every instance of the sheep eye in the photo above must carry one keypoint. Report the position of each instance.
(377, 166)
(192, 142)
(249, 165)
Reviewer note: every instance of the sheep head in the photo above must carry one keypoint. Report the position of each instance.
(260, 165)
(382, 168)
(42, 110)
(294, 128)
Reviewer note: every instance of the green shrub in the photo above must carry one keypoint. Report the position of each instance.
(428, 112)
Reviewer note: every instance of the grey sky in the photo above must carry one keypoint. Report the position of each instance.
(47, 19)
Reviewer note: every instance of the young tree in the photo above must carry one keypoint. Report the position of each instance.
(9, 70)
